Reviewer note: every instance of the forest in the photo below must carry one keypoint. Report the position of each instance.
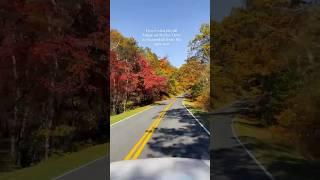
(53, 78)
(61, 79)
(139, 77)
(268, 55)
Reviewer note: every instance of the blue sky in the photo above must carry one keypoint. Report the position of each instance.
(132, 17)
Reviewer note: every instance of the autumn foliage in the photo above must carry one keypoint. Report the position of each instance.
(268, 54)
(135, 78)
(53, 73)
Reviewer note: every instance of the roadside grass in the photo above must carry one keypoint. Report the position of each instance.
(119, 117)
(202, 115)
(61, 163)
(57, 164)
(280, 158)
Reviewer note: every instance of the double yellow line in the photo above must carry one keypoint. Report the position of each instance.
(138, 147)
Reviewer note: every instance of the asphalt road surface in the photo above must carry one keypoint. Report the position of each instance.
(230, 160)
(177, 134)
(96, 170)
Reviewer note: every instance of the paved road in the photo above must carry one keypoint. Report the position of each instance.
(125, 134)
(96, 170)
(178, 134)
(230, 161)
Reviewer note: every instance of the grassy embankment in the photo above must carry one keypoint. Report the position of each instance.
(119, 117)
(61, 163)
(57, 164)
(274, 152)
(122, 116)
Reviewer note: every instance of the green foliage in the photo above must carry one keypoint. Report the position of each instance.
(200, 45)
(191, 72)
(127, 48)
(198, 88)
(63, 131)
(193, 76)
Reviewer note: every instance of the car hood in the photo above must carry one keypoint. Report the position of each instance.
(161, 169)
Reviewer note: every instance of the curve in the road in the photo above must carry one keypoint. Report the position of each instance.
(231, 160)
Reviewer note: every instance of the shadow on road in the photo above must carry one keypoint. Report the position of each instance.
(179, 135)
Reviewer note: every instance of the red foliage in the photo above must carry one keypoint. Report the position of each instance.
(137, 77)
(152, 82)
(122, 78)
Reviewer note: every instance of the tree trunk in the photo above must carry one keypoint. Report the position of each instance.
(114, 97)
(21, 134)
(49, 120)
(126, 90)
(50, 109)
(16, 110)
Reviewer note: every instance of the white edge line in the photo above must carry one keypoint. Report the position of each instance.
(196, 119)
(131, 116)
(250, 154)
(73, 170)
(80, 167)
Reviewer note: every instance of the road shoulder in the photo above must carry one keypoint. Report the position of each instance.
(281, 159)
(231, 160)
(58, 165)
(128, 114)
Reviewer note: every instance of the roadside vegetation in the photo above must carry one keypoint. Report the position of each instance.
(53, 65)
(195, 73)
(282, 159)
(195, 76)
(53, 86)
(267, 55)
(139, 77)
(120, 117)
(58, 164)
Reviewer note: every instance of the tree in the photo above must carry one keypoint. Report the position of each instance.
(137, 75)
(54, 54)
(200, 45)
(273, 62)
(151, 84)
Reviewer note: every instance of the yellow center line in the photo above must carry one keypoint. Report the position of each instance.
(134, 153)
(137, 144)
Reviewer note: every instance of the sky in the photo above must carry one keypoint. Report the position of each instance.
(184, 17)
